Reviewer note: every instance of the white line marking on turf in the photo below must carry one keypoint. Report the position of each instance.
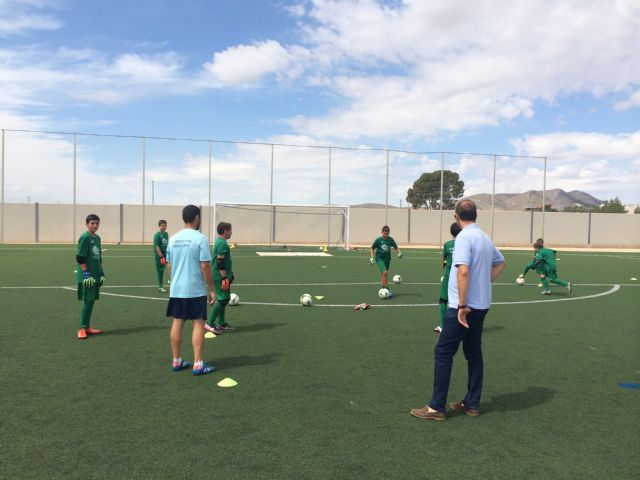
(613, 289)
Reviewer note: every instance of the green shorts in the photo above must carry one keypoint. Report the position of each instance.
(383, 264)
(88, 294)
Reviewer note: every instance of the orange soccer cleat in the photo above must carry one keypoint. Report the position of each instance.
(93, 331)
(82, 334)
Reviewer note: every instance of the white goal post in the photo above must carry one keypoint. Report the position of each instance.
(284, 224)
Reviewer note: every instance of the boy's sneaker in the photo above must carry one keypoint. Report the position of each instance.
(438, 329)
(82, 334)
(225, 327)
(162, 290)
(93, 331)
(204, 370)
(215, 329)
(180, 366)
(545, 292)
(569, 286)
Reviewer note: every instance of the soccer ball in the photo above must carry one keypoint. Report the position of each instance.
(306, 300)
(234, 299)
(520, 281)
(397, 279)
(383, 293)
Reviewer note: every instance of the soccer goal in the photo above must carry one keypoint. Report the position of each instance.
(279, 224)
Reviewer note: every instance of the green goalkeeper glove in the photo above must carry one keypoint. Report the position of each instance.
(87, 280)
(372, 260)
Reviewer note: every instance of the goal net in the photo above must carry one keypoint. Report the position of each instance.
(269, 224)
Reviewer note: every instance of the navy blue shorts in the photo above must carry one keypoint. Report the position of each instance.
(188, 308)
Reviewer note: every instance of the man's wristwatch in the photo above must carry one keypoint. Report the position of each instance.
(460, 307)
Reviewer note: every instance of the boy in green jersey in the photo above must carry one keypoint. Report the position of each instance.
(548, 267)
(160, 242)
(381, 255)
(89, 274)
(535, 264)
(447, 255)
(222, 280)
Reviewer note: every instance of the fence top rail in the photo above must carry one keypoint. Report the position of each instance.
(289, 145)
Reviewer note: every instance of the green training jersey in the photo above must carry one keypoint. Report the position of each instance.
(160, 239)
(547, 258)
(221, 247)
(383, 247)
(89, 247)
(447, 256)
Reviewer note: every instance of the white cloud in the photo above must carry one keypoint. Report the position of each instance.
(632, 102)
(17, 19)
(245, 65)
(603, 165)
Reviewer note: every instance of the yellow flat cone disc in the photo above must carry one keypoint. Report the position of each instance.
(319, 297)
(634, 279)
(227, 382)
(209, 335)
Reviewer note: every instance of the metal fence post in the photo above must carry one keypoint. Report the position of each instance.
(441, 196)
(272, 227)
(544, 191)
(2, 188)
(209, 205)
(493, 194)
(75, 187)
(144, 159)
(386, 195)
(329, 202)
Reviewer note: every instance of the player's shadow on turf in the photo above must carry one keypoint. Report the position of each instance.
(256, 327)
(508, 402)
(138, 329)
(244, 360)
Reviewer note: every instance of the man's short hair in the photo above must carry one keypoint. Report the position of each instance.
(91, 217)
(189, 213)
(223, 227)
(455, 229)
(386, 228)
(466, 210)
(161, 222)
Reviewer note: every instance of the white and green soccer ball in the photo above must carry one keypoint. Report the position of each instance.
(383, 293)
(520, 281)
(397, 279)
(306, 300)
(234, 299)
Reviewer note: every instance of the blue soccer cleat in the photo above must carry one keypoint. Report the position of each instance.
(204, 370)
(181, 366)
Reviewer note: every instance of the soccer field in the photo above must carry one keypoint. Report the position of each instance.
(324, 391)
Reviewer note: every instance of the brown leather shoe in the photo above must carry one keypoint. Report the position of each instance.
(424, 413)
(460, 407)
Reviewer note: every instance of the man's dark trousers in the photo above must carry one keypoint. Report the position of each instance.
(452, 334)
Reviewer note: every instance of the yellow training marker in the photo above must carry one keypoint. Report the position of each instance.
(227, 382)
(209, 335)
(634, 279)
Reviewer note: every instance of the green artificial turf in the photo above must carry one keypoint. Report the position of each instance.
(323, 392)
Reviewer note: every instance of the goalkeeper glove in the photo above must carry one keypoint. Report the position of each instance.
(225, 284)
(399, 254)
(87, 280)
(372, 261)
(101, 278)
(163, 261)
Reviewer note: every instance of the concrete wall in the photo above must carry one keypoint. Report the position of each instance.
(53, 223)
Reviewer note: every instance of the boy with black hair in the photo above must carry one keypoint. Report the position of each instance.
(222, 279)
(447, 254)
(381, 255)
(89, 274)
(160, 243)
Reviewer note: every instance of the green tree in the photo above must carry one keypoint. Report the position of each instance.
(612, 206)
(637, 210)
(426, 190)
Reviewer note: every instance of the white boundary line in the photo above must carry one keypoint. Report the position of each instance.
(613, 289)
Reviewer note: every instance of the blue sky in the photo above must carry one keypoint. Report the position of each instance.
(544, 78)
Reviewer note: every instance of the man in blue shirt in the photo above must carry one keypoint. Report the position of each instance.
(476, 263)
(189, 261)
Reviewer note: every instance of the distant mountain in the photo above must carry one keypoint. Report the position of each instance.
(556, 198)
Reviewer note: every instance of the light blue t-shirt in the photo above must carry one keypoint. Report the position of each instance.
(476, 250)
(185, 251)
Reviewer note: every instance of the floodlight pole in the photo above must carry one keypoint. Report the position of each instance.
(544, 190)
(210, 231)
(75, 186)
(144, 160)
(329, 202)
(493, 194)
(386, 195)
(441, 195)
(271, 229)
(2, 188)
